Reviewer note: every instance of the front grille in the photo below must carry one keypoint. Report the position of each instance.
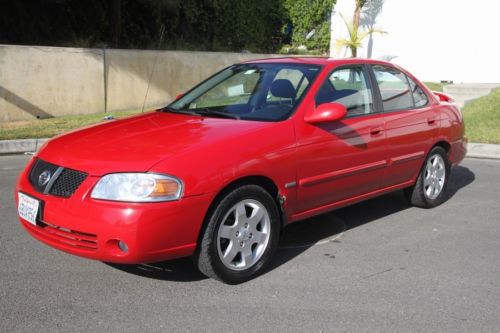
(67, 183)
(63, 182)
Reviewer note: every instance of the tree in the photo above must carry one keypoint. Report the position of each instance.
(359, 4)
(116, 21)
(214, 25)
(306, 16)
(368, 20)
(356, 37)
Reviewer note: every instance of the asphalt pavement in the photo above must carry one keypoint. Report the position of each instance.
(378, 266)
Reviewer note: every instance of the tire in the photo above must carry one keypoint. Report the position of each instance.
(430, 189)
(240, 237)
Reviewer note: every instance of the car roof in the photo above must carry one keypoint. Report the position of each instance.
(324, 61)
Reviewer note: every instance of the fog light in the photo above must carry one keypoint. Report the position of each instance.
(123, 246)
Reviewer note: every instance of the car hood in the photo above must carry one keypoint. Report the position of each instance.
(137, 143)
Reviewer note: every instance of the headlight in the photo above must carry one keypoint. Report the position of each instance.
(137, 187)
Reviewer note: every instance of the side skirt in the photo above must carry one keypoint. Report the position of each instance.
(339, 204)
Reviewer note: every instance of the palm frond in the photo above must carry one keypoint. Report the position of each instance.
(356, 37)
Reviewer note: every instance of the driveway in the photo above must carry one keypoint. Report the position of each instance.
(380, 266)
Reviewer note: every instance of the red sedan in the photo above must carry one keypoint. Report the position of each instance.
(222, 170)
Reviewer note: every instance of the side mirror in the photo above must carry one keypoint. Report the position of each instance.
(179, 96)
(326, 112)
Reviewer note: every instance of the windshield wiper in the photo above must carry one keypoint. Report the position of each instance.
(209, 112)
(189, 112)
(202, 112)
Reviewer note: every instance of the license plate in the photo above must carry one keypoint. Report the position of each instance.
(28, 208)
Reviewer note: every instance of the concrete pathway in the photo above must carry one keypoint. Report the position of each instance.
(464, 93)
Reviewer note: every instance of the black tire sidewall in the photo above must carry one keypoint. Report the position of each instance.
(245, 192)
(442, 195)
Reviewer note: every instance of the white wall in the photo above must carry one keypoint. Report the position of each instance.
(441, 39)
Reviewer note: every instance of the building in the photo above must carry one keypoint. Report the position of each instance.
(436, 40)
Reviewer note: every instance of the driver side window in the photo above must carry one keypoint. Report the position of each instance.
(347, 86)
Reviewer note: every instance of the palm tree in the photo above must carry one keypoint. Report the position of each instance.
(356, 37)
(357, 11)
(368, 19)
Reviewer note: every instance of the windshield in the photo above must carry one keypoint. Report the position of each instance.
(267, 92)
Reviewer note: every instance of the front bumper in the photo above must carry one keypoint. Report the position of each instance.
(92, 228)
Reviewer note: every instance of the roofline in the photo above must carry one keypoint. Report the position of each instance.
(319, 60)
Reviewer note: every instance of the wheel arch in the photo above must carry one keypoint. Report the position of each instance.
(440, 143)
(265, 182)
(443, 144)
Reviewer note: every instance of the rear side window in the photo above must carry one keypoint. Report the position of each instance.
(347, 86)
(394, 88)
(419, 97)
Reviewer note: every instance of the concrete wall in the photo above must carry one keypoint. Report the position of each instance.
(47, 81)
(175, 72)
(51, 81)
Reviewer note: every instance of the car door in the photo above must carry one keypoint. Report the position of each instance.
(411, 123)
(341, 160)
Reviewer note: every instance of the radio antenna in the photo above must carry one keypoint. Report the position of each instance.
(162, 31)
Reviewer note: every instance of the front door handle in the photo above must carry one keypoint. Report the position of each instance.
(431, 120)
(376, 131)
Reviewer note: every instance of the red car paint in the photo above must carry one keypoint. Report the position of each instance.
(316, 168)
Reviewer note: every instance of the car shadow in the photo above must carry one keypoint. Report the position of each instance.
(300, 236)
(182, 270)
(329, 227)
(460, 177)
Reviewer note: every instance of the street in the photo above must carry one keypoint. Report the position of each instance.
(377, 266)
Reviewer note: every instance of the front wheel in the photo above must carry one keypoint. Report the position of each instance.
(241, 235)
(430, 188)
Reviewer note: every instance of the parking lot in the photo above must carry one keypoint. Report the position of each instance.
(380, 265)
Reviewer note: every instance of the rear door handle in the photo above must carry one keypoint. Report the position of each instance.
(431, 120)
(375, 131)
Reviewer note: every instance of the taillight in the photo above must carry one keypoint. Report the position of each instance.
(443, 97)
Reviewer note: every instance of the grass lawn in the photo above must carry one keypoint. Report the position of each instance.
(46, 128)
(482, 118)
(435, 86)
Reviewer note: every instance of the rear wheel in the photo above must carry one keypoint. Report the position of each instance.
(241, 236)
(429, 190)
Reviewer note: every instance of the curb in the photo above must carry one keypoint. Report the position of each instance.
(20, 146)
(483, 150)
(474, 150)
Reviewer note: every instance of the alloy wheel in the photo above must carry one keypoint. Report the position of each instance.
(434, 178)
(243, 235)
